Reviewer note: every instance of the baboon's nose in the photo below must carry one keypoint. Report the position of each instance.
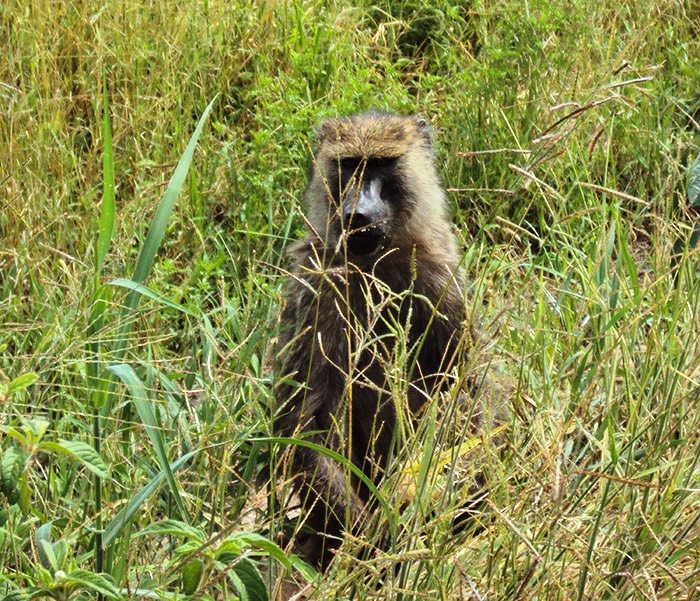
(356, 221)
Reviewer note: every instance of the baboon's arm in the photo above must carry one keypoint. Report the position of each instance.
(311, 412)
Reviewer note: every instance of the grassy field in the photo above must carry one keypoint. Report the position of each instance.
(133, 420)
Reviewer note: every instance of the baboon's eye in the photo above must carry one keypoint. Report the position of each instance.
(383, 162)
(350, 164)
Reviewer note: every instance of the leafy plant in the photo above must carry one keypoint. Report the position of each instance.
(200, 559)
(17, 459)
(57, 576)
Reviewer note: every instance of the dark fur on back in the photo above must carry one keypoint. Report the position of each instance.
(342, 314)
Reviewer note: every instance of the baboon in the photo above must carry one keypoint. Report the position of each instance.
(377, 278)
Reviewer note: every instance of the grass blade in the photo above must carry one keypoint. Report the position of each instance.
(115, 527)
(108, 188)
(151, 245)
(345, 464)
(99, 306)
(145, 291)
(144, 408)
(165, 209)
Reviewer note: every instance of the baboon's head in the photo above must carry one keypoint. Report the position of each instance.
(374, 185)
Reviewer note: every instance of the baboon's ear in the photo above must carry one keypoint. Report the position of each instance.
(327, 131)
(425, 130)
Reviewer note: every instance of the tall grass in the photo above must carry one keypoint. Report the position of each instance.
(565, 134)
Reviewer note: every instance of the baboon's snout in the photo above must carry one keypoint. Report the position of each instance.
(365, 218)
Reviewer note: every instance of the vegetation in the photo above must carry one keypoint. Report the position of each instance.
(135, 322)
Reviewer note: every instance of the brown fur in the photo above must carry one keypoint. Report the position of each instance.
(338, 326)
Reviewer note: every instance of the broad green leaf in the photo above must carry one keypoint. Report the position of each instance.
(21, 382)
(35, 430)
(142, 402)
(12, 464)
(248, 581)
(238, 541)
(252, 539)
(306, 570)
(44, 547)
(191, 575)
(26, 493)
(100, 583)
(81, 451)
(174, 528)
(18, 435)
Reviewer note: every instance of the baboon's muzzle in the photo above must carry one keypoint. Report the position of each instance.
(364, 240)
(365, 216)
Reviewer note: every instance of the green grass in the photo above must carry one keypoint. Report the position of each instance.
(566, 131)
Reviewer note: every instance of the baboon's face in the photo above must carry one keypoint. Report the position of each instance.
(368, 198)
(374, 184)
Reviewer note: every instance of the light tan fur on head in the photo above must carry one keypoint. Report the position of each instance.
(382, 135)
(371, 135)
